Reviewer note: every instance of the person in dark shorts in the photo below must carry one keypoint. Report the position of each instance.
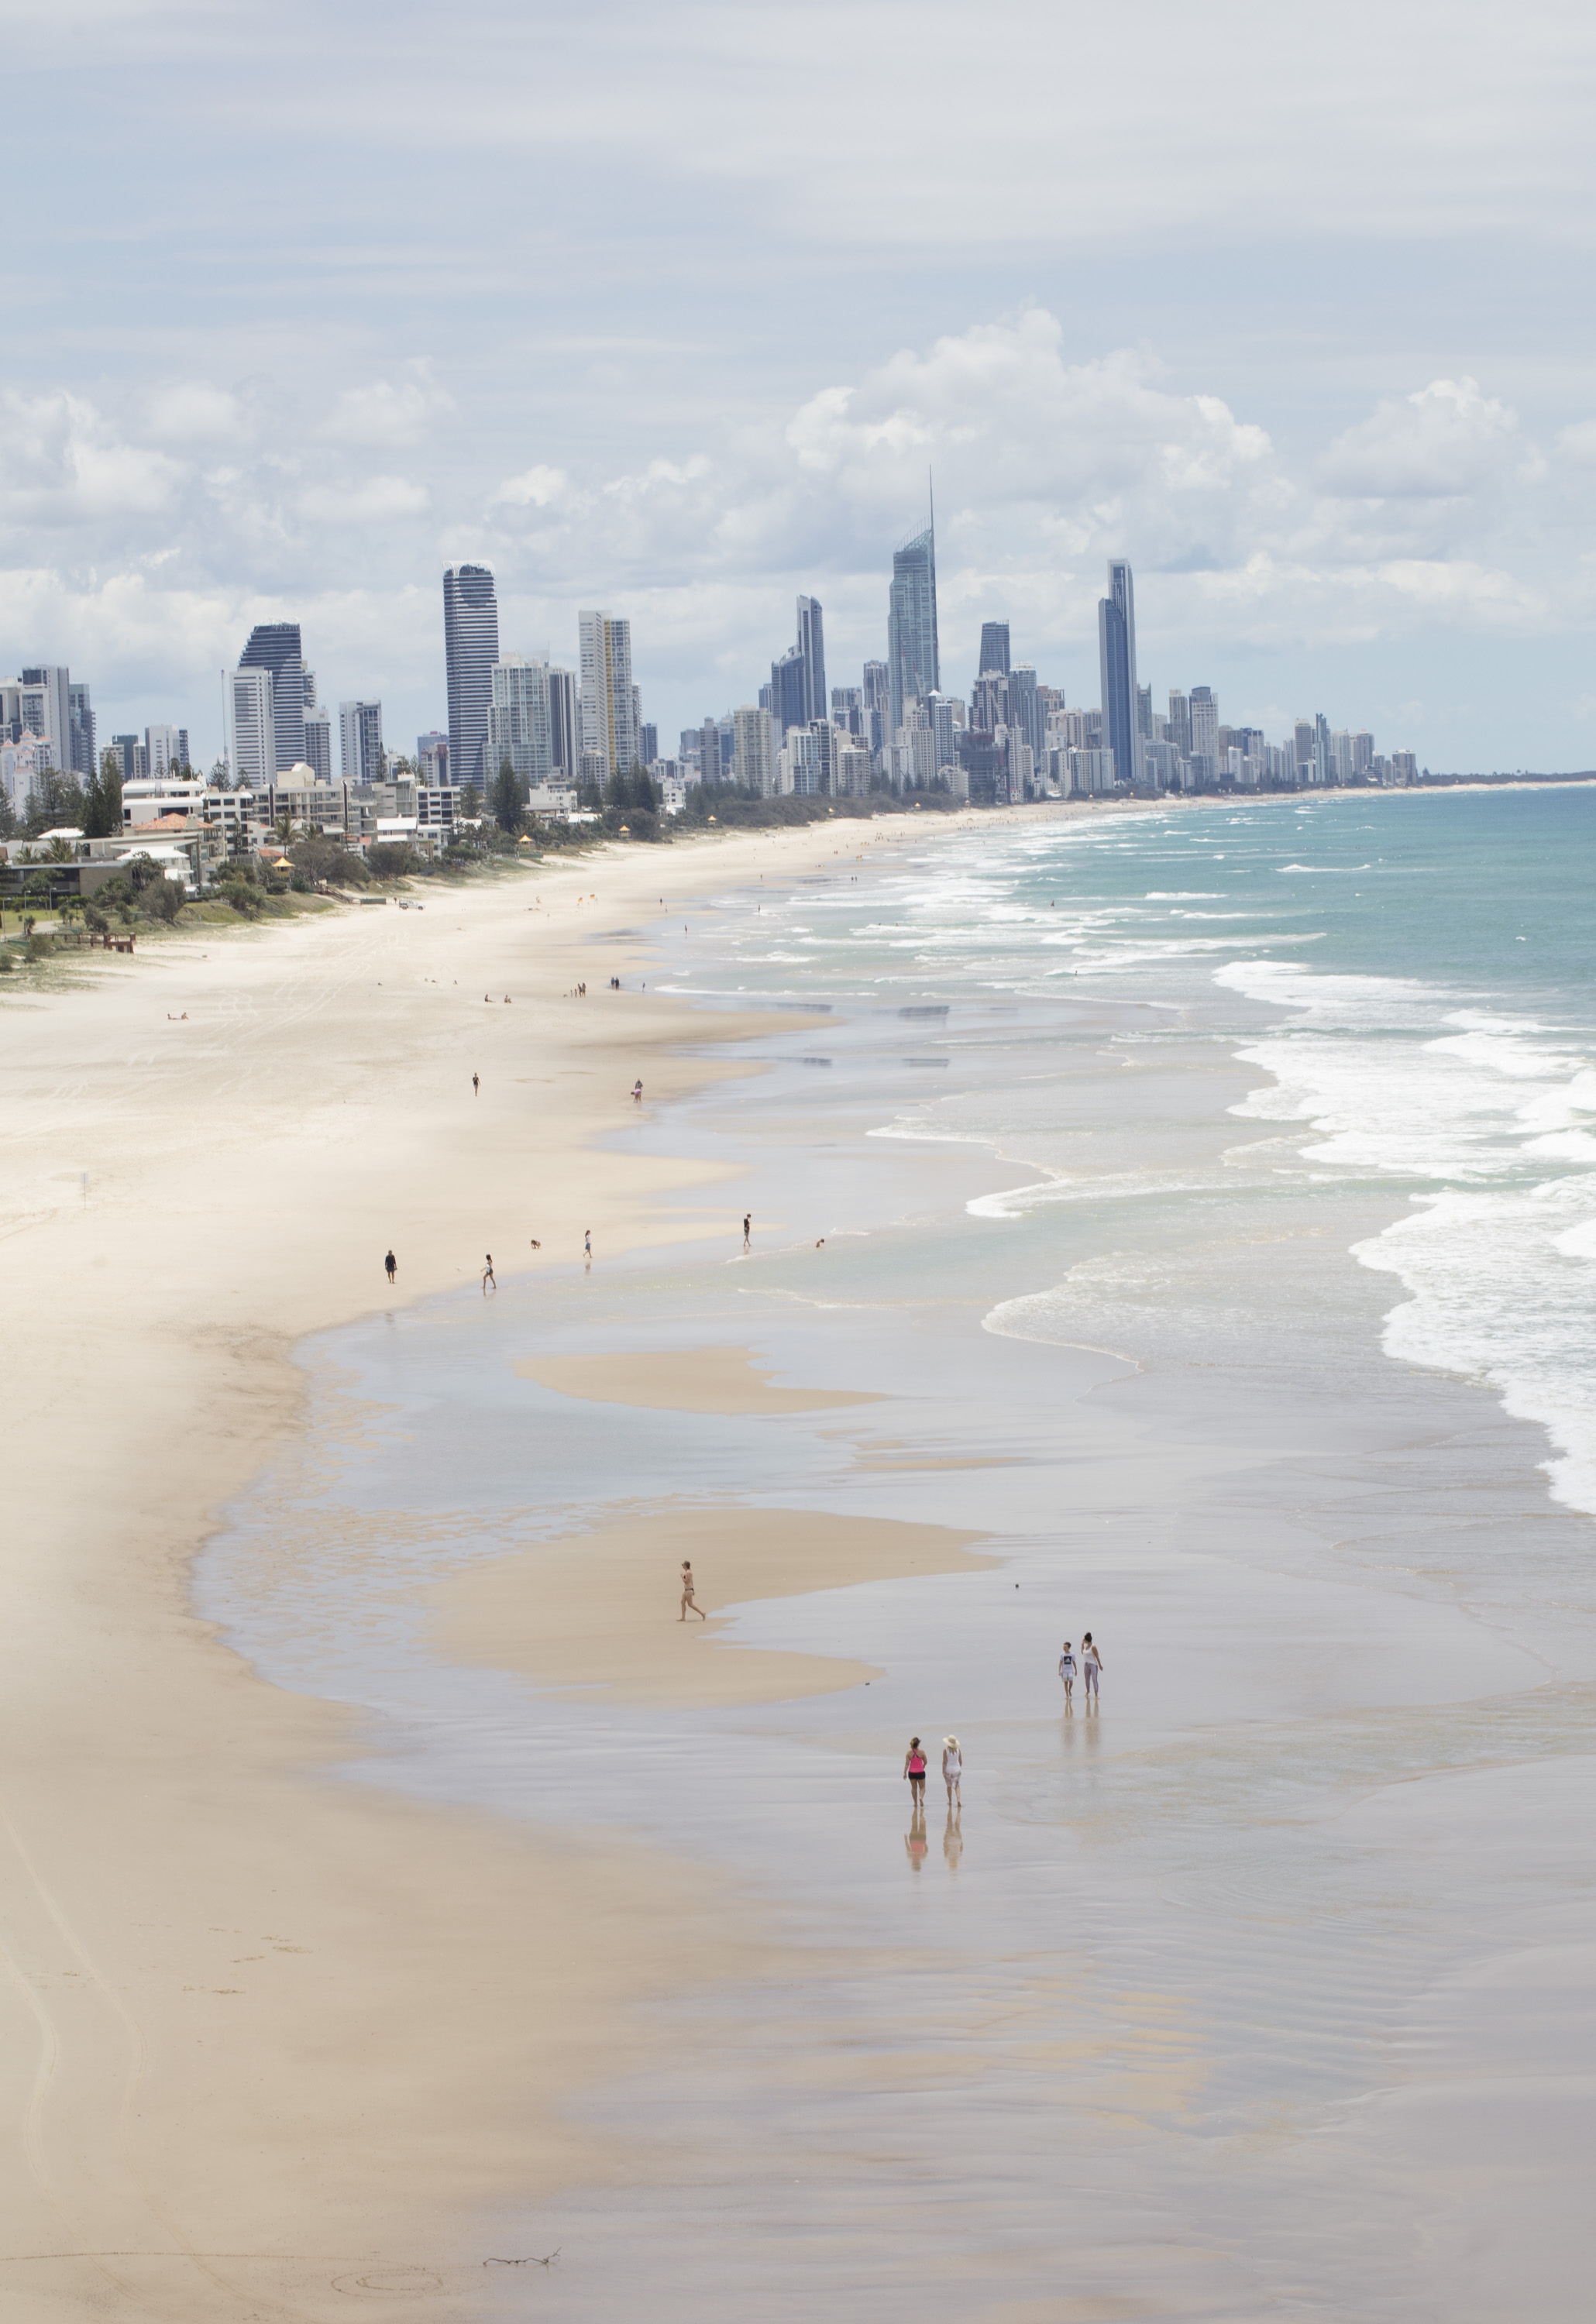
(476, 1085)
(914, 1767)
(391, 1264)
(487, 1273)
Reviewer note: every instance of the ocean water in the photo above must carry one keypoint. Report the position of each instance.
(1207, 1196)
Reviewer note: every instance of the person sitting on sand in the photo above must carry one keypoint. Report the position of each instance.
(914, 1768)
(689, 1603)
(953, 1768)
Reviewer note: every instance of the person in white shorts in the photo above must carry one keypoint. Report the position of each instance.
(953, 1768)
(1066, 1672)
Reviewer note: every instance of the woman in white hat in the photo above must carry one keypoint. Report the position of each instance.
(953, 1768)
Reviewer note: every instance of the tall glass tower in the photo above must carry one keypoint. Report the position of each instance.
(811, 640)
(471, 647)
(994, 647)
(1116, 653)
(914, 668)
(275, 646)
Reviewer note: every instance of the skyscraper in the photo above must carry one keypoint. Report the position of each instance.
(914, 666)
(318, 742)
(433, 757)
(609, 729)
(1204, 749)
(254, 742)
(755, 748)
(51, 713)
(565, 724)
(994, 649)
(1180, 723)
(517, 718)
(811, 645)
(81, 712)
(360, 739)
(470, 649)
(274, 646)
(789, 691)
(1116, 656)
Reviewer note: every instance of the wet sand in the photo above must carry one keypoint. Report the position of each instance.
(681, 1379)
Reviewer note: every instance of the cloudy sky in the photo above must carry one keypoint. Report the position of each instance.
(670, 310)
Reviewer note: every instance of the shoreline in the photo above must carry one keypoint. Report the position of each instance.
(338, 1874)
(168, 1816)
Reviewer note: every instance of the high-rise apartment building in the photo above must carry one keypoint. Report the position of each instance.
(254, 738)
(166, 751)
(811, 645)
(360, 742)
(877, 691)
(1180, 723)
(274, 647)
(790, 690)
(432, 758)
(81, 711)
(709, 751)
(754, 748)
(914, 663)
(847, 708)
(1116, 657)
(517, 718)
(318, 742)
(994, 649)
(470, 649)
(1205, 725)
(608, 728)
(942, 720)
(565, 724)
(647, 741)
(47, 710)
(1024, 707)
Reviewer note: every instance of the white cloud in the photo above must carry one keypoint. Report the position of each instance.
(389, 412)
(192, 411)
(380, 500)
(537, 488)
(61, 463)
(1446, 439)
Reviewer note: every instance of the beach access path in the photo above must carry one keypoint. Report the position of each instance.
(256, 2026)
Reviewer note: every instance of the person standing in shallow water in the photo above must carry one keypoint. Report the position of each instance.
(1066, 1672)
(953, 1768)
(487, 1273)
(1091, 1664)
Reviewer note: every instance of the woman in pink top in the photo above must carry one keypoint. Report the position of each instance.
(914, 1767)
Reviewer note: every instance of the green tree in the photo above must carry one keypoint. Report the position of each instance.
(56, 799)
(471, 802)
(102, 800)
(509, 797)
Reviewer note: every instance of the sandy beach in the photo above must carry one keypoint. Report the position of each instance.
(397, 1887)
(258, 2029)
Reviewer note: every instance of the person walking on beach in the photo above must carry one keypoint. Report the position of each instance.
(1066, 1672)
(953, 1768)
(476, 1086)
(689, 1603)
(1091, 1664)
(487, 1273)
(914, 1768)
(747, 1228)
(637, 1093)
(587, 1246)
(391, 1264)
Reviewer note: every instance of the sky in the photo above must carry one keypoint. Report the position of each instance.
(671, 311)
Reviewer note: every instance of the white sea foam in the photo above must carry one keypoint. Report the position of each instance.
(1396, 1080)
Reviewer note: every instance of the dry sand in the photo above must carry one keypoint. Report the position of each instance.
(601, 1609)
(243, 2009)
